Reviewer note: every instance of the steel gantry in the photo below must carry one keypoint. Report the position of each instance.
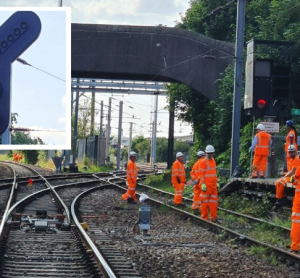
(81, 86)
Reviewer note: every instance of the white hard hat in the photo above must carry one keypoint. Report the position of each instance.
(132, 154)
(179, 154)
(261, 127)
(209, 149)
(291, 148)
(200, 153)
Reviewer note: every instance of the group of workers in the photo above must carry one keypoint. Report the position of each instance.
(205, 181)
(260, 146)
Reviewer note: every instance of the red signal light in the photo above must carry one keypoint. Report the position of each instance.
(261, 103)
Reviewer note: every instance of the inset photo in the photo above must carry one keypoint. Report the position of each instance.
(35, 79)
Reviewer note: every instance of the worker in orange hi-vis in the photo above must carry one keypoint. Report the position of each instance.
(291, 138)
(16, 157)
(260, 146)
(293, 162)
(132, 172)
(209, 185)
(195, 175)
(178, 178)
(295, 230)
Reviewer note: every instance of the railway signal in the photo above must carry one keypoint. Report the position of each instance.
(268, 81)
(17, 33)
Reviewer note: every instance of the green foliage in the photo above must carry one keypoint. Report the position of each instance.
(31, 156)
(239, 203)
(124, 154)
(161, 149)
(200, 18)
(180, 146)
(162, 181)
(142, 146)
(265, 19)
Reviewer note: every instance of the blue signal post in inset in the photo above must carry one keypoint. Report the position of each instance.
(17, 33)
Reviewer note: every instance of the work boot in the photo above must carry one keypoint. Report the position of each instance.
(216, 221)
(196, 211)
(180, 205)
(281, 202)
(131, 201)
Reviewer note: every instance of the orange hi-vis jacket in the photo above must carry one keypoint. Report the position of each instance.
(195, 173)
(263, 142)
(178, 173)
(281, 183)
(208, 172)
(292, 163)
(132, 172)
(295, 230)
(287, 142)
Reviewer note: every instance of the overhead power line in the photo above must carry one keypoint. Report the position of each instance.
(24, 129)
(22, 61)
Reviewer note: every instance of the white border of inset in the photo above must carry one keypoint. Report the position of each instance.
(67, 146)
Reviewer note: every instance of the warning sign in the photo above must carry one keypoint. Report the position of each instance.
(271, 127)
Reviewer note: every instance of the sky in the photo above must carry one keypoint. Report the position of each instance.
(122, 12)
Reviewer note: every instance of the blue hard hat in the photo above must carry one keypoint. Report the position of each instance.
(289, 123)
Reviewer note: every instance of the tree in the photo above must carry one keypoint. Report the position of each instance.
(31, 156)
(142, 147)
(161, 149)
(180, 146)
(22, 138)
(265, 19)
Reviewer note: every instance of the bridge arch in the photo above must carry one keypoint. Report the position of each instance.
(149, 53)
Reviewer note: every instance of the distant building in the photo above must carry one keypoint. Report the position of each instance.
(124, 142)
(186, 138)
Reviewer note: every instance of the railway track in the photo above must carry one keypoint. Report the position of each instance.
(37, 238)
(113, 239)
(239, 226)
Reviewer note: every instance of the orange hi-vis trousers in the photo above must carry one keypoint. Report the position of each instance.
(295, 230)
(209, 200)
(130, 193)
(280, 187)
(179, 187)
(259, 165)
(196, 197)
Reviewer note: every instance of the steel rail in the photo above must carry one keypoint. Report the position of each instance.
(53, 191)
(281, 252)
(8, 204)
(251, 218)
(104, 265)
(43, 191)
(91, 245)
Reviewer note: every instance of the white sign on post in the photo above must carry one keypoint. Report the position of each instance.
(271, 127)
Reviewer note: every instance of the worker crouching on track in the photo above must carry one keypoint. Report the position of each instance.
(209, 185)
(293, 163)
(260, 146)
(295, 230)
(195, 175)
(132, 172)
(178, 178)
